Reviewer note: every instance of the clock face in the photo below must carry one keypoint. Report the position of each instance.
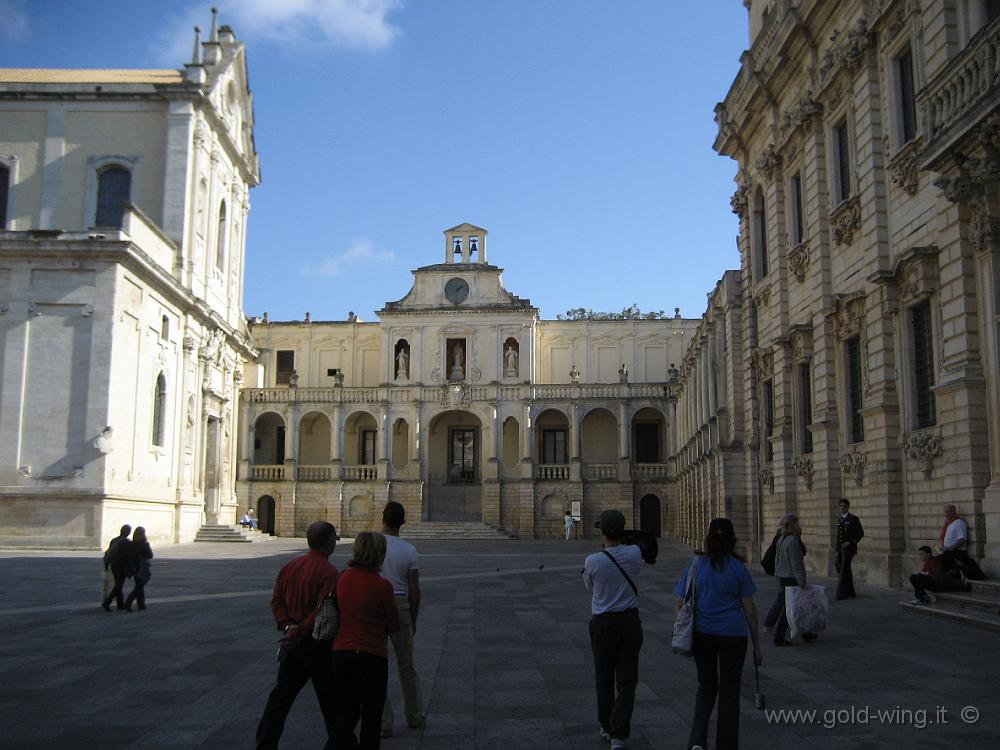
(456, 290)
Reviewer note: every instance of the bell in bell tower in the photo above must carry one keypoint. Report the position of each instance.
(465, 244)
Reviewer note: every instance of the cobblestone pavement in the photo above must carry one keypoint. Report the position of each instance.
(502, 651)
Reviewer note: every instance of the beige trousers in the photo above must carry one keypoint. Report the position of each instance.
(409, 681)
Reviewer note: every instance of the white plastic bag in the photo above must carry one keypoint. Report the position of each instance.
(806, 609)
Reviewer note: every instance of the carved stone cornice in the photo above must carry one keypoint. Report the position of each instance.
(844, 56)
(984, 229)
(768, 162)
(904, 168)
(800, 115)
(974, 175)
(740, 201)
(801, 343)
(917, 279)
(924, 447)
(804, 469)
(848, 315)
(845, 220)
(766, 478)
(798, 260)
(763, 362)
(853, 463)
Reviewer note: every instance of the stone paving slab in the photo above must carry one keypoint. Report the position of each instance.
(502, 650)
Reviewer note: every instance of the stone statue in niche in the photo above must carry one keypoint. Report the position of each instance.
(574, 374)
(672, 374)
(511, 360)
(457, 371)
(403, 364)
(623, 373)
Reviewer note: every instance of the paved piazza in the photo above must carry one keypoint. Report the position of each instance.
(502, 651)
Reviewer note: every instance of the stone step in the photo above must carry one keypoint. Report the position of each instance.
(986, 588)
(459, 530)
(956, 613)
(217, 532)
(967, 600)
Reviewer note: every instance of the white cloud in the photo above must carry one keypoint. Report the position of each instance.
(348, 24)
(361, 253)
(13, 20)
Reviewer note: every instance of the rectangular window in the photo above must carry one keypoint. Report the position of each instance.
(805, 407)
(798, 224)
(906, 96)
(923, 364)
(285, 367)
(462, 461)
(842, 162)
(855, 420)
(367, 447)
(767, 405)
(647, 443)
(554, 447)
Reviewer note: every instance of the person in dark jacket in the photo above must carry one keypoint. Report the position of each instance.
(849, 533)
(142, 553)
(790, 570)
(934, 575)
(118, 559)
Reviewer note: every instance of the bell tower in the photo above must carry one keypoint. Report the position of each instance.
(465, 244)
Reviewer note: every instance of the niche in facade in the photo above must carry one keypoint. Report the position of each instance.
(402, 360)
(511, 358)
(456, 359)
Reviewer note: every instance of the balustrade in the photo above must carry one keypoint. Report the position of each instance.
(319, 473)
(364, 473)
(600, 471)
(260, 472)
(651, 471)
(552, 471)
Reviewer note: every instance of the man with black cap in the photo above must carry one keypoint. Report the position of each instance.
(615, 628)
(300, 587)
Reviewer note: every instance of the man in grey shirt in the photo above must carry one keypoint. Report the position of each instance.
(615, 628)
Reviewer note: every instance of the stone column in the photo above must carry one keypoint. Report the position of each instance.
(575, 471)
(336, 444)
(177, 186)
(382, 442)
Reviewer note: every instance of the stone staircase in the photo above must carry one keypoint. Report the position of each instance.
(458, 530)
(218, 532)
(979, 607)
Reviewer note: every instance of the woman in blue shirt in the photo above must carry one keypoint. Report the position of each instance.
(724, 615)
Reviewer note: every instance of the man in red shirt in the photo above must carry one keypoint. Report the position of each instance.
(300, 587)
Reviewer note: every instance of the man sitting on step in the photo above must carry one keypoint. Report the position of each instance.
(934, 576)
(248, 520)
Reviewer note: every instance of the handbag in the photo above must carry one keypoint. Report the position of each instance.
(682, 641)
(770, 558)
(806, 609)
(327, 619)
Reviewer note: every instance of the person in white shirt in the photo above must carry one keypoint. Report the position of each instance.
(615, 627)
(402, 570)
(568, 523)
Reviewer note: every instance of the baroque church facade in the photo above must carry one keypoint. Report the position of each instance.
(462, 404)
(123, 209)
(862, 327)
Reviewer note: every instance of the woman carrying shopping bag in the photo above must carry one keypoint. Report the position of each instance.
(724, 617)
(790, 570)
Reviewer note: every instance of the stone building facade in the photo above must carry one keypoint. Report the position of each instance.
(463, 405)
(122, 335)
(866, 136)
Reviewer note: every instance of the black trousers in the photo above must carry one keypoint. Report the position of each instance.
(923, 583)
(615, 639)
(719, 659)
(845, 581)
(117, 593)
(361, 679)
(138, 594)
(307, 660)
(781, 627)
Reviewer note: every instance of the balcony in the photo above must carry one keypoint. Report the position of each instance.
(651, 472)
(552, 471)
(598, 472)
(267, 472)
(362, 473)
(961, 95)
(319, 473)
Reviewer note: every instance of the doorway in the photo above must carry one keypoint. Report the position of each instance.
(649, 514)
(265, 514)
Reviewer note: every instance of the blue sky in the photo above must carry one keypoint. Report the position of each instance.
(577, 132)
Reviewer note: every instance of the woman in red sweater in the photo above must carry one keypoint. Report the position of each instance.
(368, 614)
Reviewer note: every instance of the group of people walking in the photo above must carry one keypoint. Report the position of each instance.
(377, 600)
(127, 558)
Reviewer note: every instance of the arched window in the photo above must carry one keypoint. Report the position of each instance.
(220, 239)
(759, 235)
(160, 410)
(4, 192)
(113, 187)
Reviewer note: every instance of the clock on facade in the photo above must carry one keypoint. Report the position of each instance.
(456, 290)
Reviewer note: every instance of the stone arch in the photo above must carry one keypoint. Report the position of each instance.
(314, 439)
(549, 514)
(649, 436)
(651, 514)
(551, 428)
(450, 461)
(266, 514)
(599, 437)
(511, 442)
(269, 439)
(400, 443)
(360, 438)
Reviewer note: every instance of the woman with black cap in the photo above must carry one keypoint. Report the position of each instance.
(724, 616)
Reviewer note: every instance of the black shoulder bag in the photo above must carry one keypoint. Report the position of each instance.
(630, 583)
